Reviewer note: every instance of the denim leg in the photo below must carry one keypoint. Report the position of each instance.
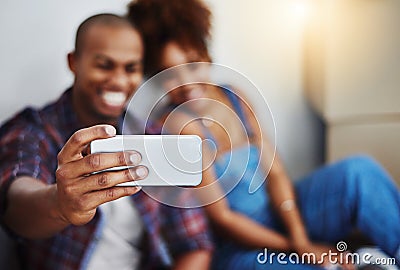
(353, 193)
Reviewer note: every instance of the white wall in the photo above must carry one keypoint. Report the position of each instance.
(260, 38)
(36, 37)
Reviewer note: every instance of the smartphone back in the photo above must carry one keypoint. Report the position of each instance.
(172, 160)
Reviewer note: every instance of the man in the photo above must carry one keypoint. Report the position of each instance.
(63, 215)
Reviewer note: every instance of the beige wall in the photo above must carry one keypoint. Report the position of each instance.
(353, 78)
(353, 58)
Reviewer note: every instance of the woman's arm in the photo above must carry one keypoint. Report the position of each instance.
(283, 198)
(195, 260)
(282, 194)
(279, 186)
(236, 226)
(227, 222)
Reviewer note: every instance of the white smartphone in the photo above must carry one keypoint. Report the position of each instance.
(172, 160)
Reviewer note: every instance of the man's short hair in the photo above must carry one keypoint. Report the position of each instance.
(106, 19)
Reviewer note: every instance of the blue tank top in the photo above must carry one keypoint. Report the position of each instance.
(236, 169)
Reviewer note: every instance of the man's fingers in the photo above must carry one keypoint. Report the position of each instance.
(101, 161)
(139, 172)
(99, 197)
(109, 179)
(74, 147)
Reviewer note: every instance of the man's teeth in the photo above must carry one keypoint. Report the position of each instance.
(114, 98)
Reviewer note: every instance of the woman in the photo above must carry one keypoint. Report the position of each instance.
(310, 217)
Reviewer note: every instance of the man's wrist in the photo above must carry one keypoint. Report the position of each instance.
(54, 206)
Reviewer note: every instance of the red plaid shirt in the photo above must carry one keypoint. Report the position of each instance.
(29, 144)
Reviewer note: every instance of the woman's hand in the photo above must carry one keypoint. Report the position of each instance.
(322, 254)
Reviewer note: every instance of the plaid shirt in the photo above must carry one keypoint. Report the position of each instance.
(29, 144)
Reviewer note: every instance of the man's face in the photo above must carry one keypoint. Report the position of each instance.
(108, 70)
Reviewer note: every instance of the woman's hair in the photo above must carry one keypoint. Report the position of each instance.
(186, 22)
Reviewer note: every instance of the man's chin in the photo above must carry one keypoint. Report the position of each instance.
(112, 111)
(109, 117)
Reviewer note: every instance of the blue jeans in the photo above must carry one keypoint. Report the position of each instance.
(355, 193)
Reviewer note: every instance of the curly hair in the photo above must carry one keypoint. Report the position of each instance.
(187, 22)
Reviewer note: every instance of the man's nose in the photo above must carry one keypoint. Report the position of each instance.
(120, 79)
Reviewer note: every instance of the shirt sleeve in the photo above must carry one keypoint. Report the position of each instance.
(185, 230)
(23, 152)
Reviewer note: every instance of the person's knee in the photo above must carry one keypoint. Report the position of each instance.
(361, 168)
(358, 163)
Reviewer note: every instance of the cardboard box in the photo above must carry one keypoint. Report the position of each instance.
(380, 140)
(352, 54)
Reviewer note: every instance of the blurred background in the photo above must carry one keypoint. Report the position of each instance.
(329, 69)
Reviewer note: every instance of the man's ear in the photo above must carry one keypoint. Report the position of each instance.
(72, 61)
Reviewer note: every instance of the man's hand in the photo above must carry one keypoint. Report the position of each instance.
(79, 191)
